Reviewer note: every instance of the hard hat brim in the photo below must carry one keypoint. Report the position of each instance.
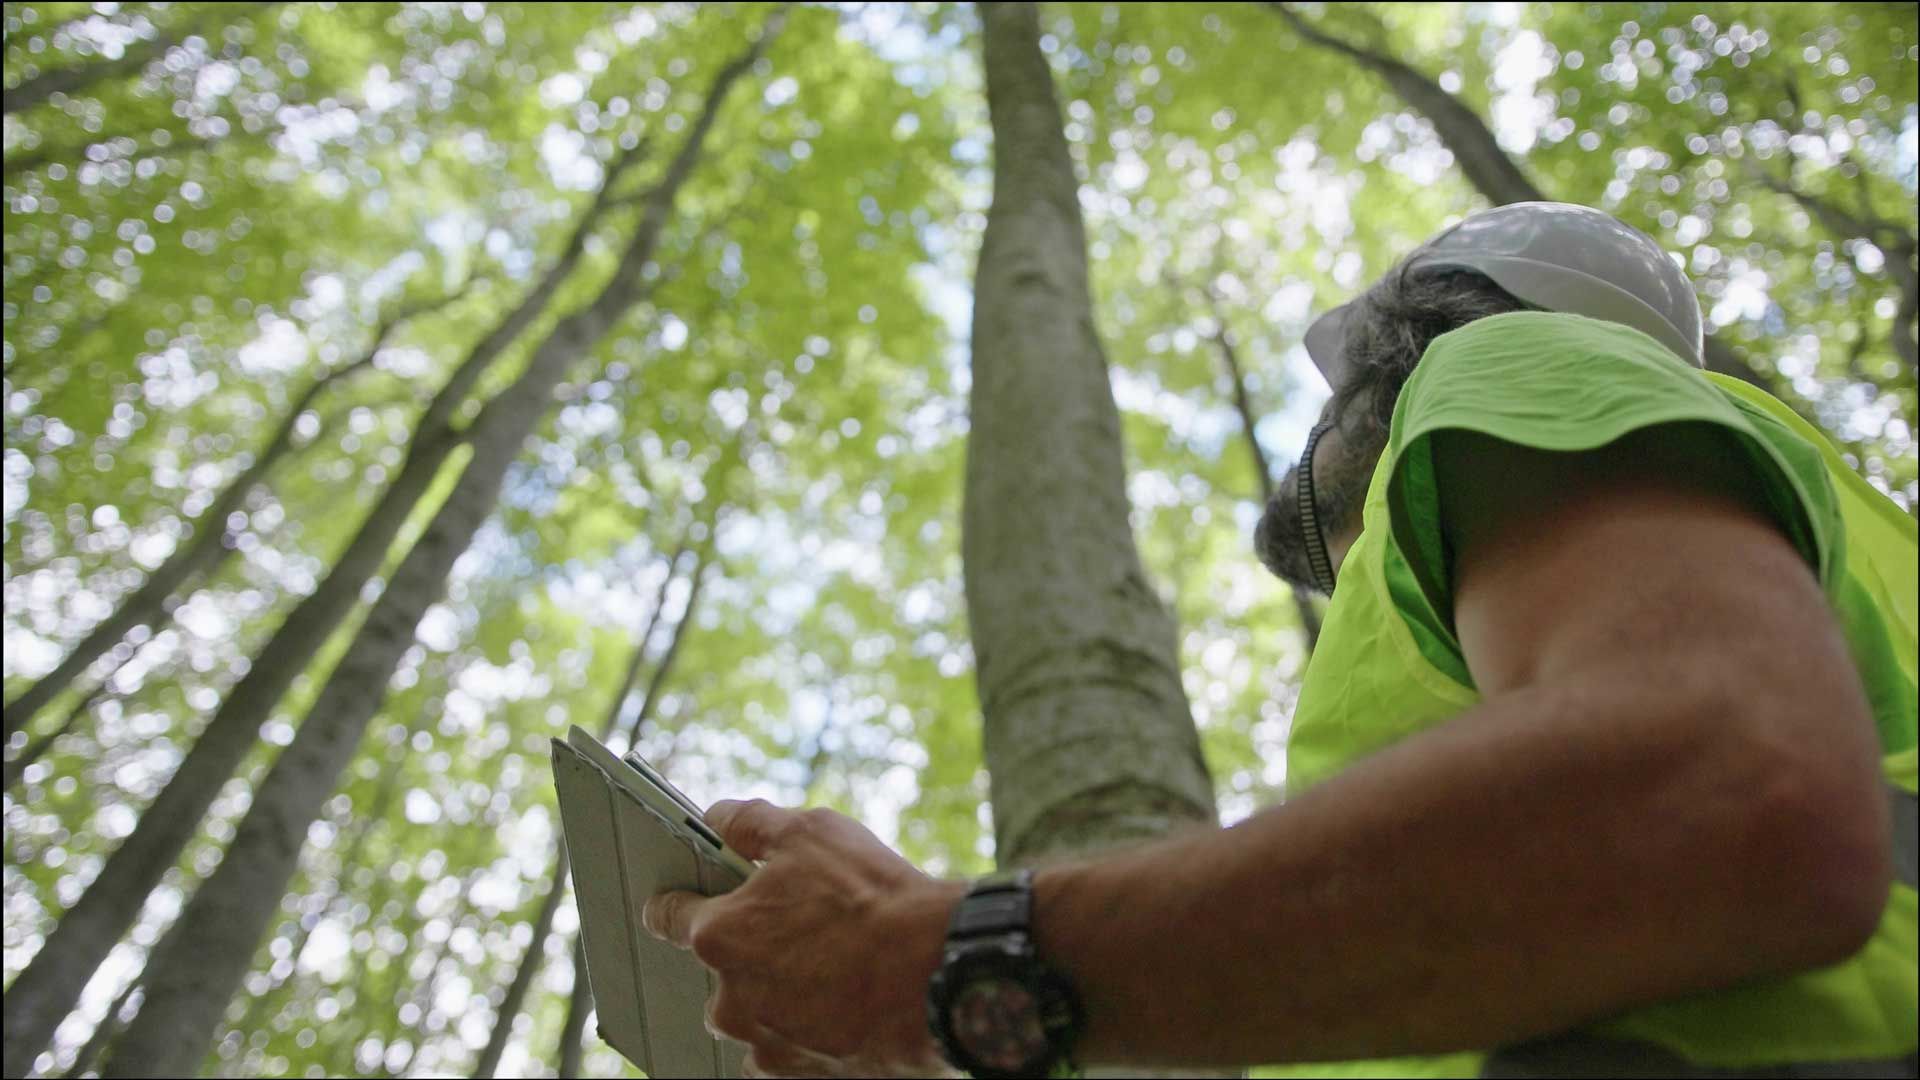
(1325, 339)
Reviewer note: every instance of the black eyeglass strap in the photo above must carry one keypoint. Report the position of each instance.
(1317, 558)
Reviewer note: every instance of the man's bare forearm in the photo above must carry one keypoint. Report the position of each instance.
(1541, 860)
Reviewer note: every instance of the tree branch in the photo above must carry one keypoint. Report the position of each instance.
(80, 77)
(1896, 242)
(1495, 175)
(1473, 144)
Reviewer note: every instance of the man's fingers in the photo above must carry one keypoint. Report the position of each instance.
(753, 827)
(669, 916)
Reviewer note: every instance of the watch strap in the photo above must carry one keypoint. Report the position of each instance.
(997, 904)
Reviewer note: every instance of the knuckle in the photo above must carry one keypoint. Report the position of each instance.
(729, 1017)
(709, 944)
(818, 821)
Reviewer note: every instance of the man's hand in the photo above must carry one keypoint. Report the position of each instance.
(823, 956)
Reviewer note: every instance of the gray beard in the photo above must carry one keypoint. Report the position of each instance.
(1281, 538)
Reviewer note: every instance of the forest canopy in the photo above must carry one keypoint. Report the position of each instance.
(388, 386)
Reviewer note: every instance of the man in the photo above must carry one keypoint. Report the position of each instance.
(1604, 764)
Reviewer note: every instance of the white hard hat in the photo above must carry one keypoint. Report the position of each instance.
(1556, 257)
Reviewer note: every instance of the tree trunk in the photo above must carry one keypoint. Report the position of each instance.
(659, 680)
(304, 926)
(103, 1032)
(523, 978)
(16, 770)
(1495, 175)
(80, 77)
(195, 559)
(579, 1004)
(1089, 738)
(611, 722)
(195, 969)
(516, 992)
(1243, 404)
(46, 990)
(429, 986)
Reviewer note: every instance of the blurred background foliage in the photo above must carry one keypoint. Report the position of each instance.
(194, 237)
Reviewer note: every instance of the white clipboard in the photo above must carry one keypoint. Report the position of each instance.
(631, 835)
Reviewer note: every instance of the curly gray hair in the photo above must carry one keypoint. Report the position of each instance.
(1390, 330)
(1392, 324)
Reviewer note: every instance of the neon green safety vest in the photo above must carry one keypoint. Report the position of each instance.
(1388, 666)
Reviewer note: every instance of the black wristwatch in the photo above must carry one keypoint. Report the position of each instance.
(996, 1007)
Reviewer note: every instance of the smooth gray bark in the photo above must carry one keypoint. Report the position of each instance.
(1495, 175)
(1089, 738)
(51, 983)
(209, 546)
(196, 967)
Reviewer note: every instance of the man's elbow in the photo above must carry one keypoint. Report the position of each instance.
(1821, 841)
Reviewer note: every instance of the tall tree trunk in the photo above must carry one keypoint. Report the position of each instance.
(1243, 404)
(523, 977)
(579, 1004)
(1089, 738)
(80, 77)
(46, 990)
(208, 548)
(196, 967)
(1495, 175)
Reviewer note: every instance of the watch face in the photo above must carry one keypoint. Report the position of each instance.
(997, 1020)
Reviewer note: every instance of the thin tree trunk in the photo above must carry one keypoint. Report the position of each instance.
(523, 978)
(423, 999)
(660, 672)
(208, 548)
(579, 1004)
(530, 963)
(1089, 738)
(103, 1032)
(1243, 404)
(610, 723)
(580, 1001)
(81, 77)
(17, 768)
(46, 990)
(517, 990)
(200, 961)
(1495, 175)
